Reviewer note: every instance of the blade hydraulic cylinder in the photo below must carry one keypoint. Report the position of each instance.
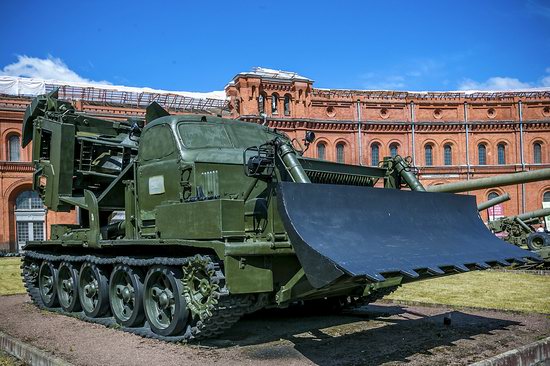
(403, 168)
(289, 159)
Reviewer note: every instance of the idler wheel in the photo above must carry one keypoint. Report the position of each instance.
(126, 296)
(165, 307)
(93, 290)
(67, 287)
(47, 284)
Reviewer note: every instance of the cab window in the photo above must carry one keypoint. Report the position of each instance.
(156, 143)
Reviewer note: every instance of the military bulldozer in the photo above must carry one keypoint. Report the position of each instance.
(188, 222)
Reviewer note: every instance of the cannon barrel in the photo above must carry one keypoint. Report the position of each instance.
(496, 181)
(493, 201)
(534, 214)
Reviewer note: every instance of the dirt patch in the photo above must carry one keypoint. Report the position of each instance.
(376, 334)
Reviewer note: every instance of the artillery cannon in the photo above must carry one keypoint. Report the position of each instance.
(490, 182)
(493, 202)
(222, 218)
(520, 231)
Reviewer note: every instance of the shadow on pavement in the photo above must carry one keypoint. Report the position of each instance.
(373, 334)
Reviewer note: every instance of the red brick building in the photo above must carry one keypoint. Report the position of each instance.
(449, 135)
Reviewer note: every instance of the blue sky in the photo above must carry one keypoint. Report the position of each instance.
(200, 46)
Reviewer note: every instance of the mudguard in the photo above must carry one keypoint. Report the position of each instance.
(339, 230)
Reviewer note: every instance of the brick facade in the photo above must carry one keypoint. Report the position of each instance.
(345, 119)
(457, 121)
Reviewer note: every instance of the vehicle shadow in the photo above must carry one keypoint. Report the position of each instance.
(373, 334)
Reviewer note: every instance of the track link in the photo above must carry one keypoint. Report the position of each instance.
(225, 313)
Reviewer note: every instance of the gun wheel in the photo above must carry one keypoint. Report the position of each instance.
(201, 286)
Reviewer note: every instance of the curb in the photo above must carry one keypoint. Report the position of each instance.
(27, 353)
(536, 353)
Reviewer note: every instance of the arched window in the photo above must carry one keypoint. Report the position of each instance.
(448, 154)
(29, 218)
(261, 103)
(482, 154)
(394, 150)
(537, 153)
(28, 200)
(274, 103)
(501, 150)
(374, 154)
(321, 150)
(14, 148)
(495, 211)
(428, 155)
(340, 152)
(287, 105)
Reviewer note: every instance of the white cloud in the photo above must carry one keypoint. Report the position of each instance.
(505, 83)
(375, 81)
(494, 83)
(54, 70)
(50, 68)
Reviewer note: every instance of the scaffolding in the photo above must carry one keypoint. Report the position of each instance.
(169, 101)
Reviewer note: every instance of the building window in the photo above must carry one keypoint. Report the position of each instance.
(546, 197)
(274, 103)
(261, 104)
(28, 200)
(428, 155)
(482, 154)
(321, 149)
(14, 148)
(340, 153)
(537, 150)
(501, 150)
(448, 154)
(492, 195)
(287, 105)
(394, 150)
(374, 154)
(29, 218)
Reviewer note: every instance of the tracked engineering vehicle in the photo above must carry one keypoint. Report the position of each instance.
(222, 218)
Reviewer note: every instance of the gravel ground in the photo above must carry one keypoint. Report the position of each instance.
(381, 333)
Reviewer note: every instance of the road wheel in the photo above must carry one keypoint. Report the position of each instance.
(67, 287)
(165, 307)
(536, 241)
(126, 296)
(93, 290)
(46, 283)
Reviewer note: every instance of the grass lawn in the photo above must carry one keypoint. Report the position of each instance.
(10, 277)
(7, 360)
(482, 289)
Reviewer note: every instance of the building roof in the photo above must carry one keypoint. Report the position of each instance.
(114, 94)
(270, 74)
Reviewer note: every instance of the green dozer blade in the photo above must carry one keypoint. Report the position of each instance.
(339, 230)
